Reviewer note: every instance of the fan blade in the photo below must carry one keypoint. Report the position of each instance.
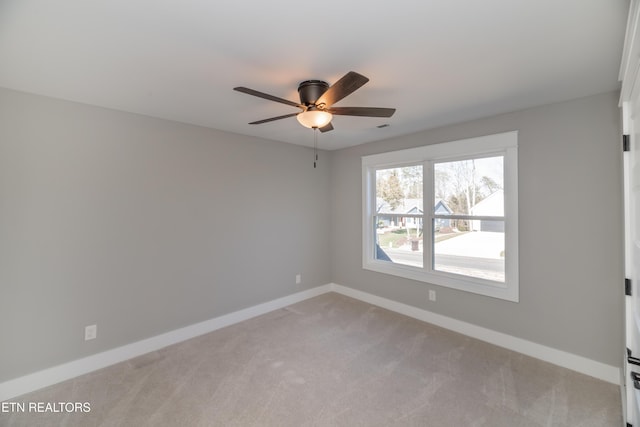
(348, 84)
(362, 111)
(273, 119)
(327, 127)
(267, 96)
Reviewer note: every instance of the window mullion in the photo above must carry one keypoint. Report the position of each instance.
(470, 217)
(427, 228)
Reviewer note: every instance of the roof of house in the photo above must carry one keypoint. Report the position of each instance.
(407, 206)
(492, 205)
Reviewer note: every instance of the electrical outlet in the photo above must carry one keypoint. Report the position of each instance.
(432, 295)
(90, 332)
(298, 279)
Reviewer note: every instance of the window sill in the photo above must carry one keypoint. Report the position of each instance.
(507, 292)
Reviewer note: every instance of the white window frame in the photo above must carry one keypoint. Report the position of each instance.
(505, 144)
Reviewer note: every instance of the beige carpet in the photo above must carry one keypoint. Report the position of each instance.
(331, 361)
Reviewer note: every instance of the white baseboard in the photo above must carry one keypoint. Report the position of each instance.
(571, 361)
(37, 380)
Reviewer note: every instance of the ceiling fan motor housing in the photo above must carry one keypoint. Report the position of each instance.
(311, 90)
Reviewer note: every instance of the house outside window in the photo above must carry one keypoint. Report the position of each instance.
(467, 239)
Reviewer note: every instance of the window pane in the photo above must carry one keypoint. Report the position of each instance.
(477, 253)
(469, 247)
(469, 187)
(399, 244)
(399, 238)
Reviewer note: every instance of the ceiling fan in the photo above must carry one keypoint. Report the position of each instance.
(317, 99)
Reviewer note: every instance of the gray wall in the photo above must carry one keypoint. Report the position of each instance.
(570, 217)
(142, 226)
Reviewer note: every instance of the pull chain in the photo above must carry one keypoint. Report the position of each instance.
(315, 147)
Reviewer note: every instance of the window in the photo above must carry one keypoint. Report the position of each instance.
(445, 214)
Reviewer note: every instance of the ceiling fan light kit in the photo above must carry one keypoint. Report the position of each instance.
(314, 118)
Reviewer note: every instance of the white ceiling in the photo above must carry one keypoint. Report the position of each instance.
(436, 61)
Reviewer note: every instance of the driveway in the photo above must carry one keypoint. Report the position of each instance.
(474, 244)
